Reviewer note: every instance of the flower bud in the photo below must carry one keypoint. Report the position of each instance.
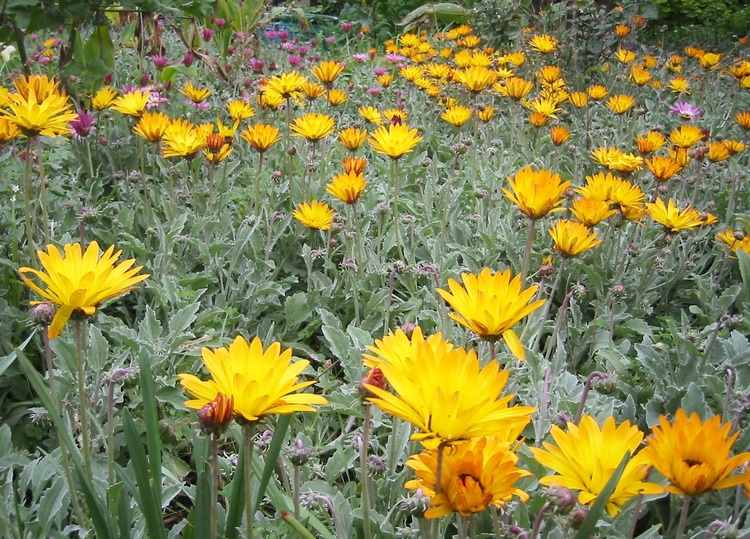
(43, 314)
(408, 328)
(374, 378)
(606, 385)
(577, 516)
(562, 499)
(216, 415)
(299, 453)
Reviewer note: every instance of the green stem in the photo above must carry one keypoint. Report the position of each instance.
(527, 251)
(365, 472)
(248, 455)
(256, 202)
(683, 518)
(214, 485)
(395, 174)
(297, 484)
(43, 192)
(28, 190)
(82, 405)
(358, 230)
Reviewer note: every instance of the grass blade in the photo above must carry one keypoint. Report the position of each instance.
(237, 500)
(279, 433)
(588, 527)
(151, 415)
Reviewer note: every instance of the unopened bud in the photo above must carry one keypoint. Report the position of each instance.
(408, 328)
(375, 378)
(43, 314)
(299, 453)
(606, 385)
(561, 498)
(577, 516)
(216, 415)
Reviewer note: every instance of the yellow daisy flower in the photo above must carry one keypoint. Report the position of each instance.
(573, 238)
(131, 104)
(543, 43)
(261, 382)
(620, 104)
(103, 98)
(352, 138)
(591, 211)
(183, 139)
(371, 114)
(395, 140)
(195, 94)
(152, 126)
(347, 187)
(313, 126)
(239, 110)
(80, 281)
(38, 107)
(662, 168)
(672, 218)
(536, 192)
(316, 215)
(327, 72)
(457, 115)
(261, 136)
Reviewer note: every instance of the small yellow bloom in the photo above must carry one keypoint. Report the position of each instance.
(572, 238)
(131, 104)
(316, 215)
(354, 165)
(717, 151)
(385, 80)
(103, 98)
(597, 92)
(395, 140)
(536, 192)
(672, 218)
(261, 136)
(8, 130)
(152, 126)
(516, 87)
(327, 72)
(286, 85)
(490, 304)
(620, 104)
(709, 60)
(549, 74)
(260, 382)
(38, 107)
(559, 134)
(336, 97)
(650, 142)
(476, 78)
(486, 113)
(457, 115)
(686, 136)
(734, 146)
(734, 242)
(313, 126)
(347, 187)
(586, 457)
(625, 56)
(183, 139)
(640, 75)
(195, 94)
(352, 138)
(622, 31)
(313, 90)
(579, 99)
(80, 281)
(371, 114)
(239, 110)
(679, 85)
(543, 43)
(591, 211)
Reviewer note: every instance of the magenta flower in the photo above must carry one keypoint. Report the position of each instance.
(256, 65)
(685, 110)
(160, 61)
(82, 126)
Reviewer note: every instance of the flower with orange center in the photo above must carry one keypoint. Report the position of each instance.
(473, 476)
(385, 80)
(622, 31)
(448, 396)
(717, 151)
(316, 215)
(183, 139)
(662, 168)
(695, 455)
(572, 237)
(650, 142)
(543, 43)
(537, 119)
(327, 72)
(195, 94)
(347, 187)
(313, 90)
(490, 304)
(686, 136)
(132, 104)
(80, 281)
(336, 97)
(585, 458)
(559, 134)
(239, 110)
(457, 115)
(313, 126)
(536, 192)
(103, 98)
(354, 165)
(475, 78)
(261, 136)
(734, 146)
(597, 92)
(579, 99)
(395, 116)
(217, 148)
(152, 126)
(352, 138)
(620, 104)
(516, 87)
(672, 218)
(395, 140)
(640, 75)
(625, 56)
(485, 114)
(679, 85)
(591, 211)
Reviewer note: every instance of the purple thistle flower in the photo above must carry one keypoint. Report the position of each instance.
(294, 60)
(207, 34)
(395, 58)
(160, 61)
(380, 70)
(82, 126)
(256, 65)
(303, 50)
(361, 56)
(685, 110)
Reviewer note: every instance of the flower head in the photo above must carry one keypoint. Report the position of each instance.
(316, 215)
(591, 211)
(543, 43)
(286, 85)
(586, 457)
(8, 130)
(195, 94)
(152, 126)
(327, 72)
(476, 78)
(650, 142)
(536, 192)
(573, 238)
(313, 126)
(82, 126)
(347, 187)
(663, 168)
(38, 107)
(183, 139)
(559, 134)
(261, 136)
(456, 115)
(80, 281)
(395, 140)
(672, 217)
(216, 415)
(490, 304)
(352, 138)
(371, 114)
(515, 87)
(694, 455)
(239, 110)
(449, 396)
(103, 98)
(132, 103)
(685, 110)
(620, 104)
(261, 382)
(474, 475)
